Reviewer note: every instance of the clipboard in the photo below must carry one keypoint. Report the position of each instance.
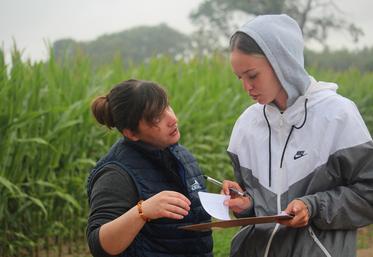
(236, 222)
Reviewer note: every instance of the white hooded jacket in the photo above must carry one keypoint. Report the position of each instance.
(318, 150)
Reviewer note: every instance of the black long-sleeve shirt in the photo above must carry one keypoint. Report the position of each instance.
(113, 194)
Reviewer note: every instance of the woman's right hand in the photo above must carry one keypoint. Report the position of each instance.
(236, 203)
(166, 204)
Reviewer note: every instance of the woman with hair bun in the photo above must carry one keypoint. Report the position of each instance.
(147, 185)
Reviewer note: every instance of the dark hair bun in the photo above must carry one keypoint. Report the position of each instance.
(101, 110)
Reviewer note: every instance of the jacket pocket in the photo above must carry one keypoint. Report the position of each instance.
(317, 241)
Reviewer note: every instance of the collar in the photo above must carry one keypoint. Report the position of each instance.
(148, 149)
(292, 116)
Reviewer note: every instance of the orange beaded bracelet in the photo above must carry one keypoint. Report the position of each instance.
(141, 213)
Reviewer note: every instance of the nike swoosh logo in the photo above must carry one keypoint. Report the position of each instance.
(299, 155)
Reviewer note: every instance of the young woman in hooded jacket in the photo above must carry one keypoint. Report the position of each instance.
(301, 148)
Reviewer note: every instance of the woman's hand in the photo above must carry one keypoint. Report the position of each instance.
(116, 235)
(166, 204)
(237, 203)
(300, 211)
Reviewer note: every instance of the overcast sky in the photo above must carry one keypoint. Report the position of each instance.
(31, 23)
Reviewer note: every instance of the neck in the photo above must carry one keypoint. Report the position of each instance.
(281, 100)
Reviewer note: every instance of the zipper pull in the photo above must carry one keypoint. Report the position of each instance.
(281, 121)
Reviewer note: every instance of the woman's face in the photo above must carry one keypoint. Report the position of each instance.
(258, 78)
(163, 133)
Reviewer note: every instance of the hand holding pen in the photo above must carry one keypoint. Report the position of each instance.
(230, 190)
(240, 200)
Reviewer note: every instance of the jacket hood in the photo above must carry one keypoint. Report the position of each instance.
(295, 115)
(281, 40)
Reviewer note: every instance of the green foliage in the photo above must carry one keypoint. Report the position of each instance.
(222, 241)
(365, 240)
(138, 45)
(316, 18)
(49, 141)
(341, 60)
(133, 45)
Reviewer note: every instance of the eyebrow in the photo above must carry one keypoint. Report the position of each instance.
(246, 71)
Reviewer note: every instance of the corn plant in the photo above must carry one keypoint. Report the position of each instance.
(49, 140)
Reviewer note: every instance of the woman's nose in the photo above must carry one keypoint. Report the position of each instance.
(247, 85)
(171, 117)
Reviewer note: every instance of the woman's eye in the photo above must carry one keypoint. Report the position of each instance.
(253, 76)
(156, 120)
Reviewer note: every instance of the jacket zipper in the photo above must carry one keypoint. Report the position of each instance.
(276, 227)
(281, 179)
(278, 196)
(317, 241)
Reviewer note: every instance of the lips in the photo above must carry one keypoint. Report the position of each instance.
(174, 132)
(254, 96)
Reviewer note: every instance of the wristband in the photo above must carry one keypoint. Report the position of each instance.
(141, 213)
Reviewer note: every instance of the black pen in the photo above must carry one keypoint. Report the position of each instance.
(217, 182)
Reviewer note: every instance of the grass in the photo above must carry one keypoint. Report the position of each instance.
(222, 241)
(365, 237)
(49, 140)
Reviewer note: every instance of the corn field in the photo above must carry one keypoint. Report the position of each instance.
(49, 140)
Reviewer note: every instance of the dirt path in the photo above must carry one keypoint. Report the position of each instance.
(365, 252)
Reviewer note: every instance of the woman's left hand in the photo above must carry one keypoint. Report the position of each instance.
(300, 211)
(236, 203)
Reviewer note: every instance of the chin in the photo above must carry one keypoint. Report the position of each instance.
(176, 140)
(263, 102)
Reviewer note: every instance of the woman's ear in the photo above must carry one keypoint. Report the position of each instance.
(130, 135)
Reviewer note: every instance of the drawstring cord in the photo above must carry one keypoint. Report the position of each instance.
(287, 140)
(269, 147)
(292, 128)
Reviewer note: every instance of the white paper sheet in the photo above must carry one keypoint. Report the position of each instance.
(214, 205)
